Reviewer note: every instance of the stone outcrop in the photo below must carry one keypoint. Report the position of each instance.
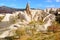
(18, 18)
(28, 10)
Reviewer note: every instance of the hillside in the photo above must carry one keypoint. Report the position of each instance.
(5, 9)
(29, 23)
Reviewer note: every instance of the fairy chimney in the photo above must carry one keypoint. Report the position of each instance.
(28, 11)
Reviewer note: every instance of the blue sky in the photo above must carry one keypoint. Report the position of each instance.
(33, 3)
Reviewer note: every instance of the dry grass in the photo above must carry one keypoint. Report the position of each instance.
(29, 33)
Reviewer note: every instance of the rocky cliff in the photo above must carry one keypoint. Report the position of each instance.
(40, 19)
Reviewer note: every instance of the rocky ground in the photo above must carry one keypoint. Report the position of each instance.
(30, 24)
(30, 33)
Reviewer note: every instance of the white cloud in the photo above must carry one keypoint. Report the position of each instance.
(9, 0)
(14, 0)
(50, 6)
(2, 4)
(29, 1)
(39, 5)
(12, 5)
(48, 0)
(52, 0)
(57, 0)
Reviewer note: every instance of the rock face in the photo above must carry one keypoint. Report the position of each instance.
(50, 9)
(28, 11)
(55, 11)
(47, 22)
(31, 15)
(5, 10)
(7, 32)
(17, 18)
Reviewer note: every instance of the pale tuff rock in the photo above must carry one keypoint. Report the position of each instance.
(10, 32)
(31, 15)
(7, 26)
(48, 10)
(58, 12)
(38, 14)
(54, 9)
(5, 22)
(6, 18)
(1, 16)
(13, 21)
(51, 16)
(47, 22)
(35, 15)
(23, 16)
(28, 10)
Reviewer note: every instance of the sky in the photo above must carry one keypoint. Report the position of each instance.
(33, 3)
